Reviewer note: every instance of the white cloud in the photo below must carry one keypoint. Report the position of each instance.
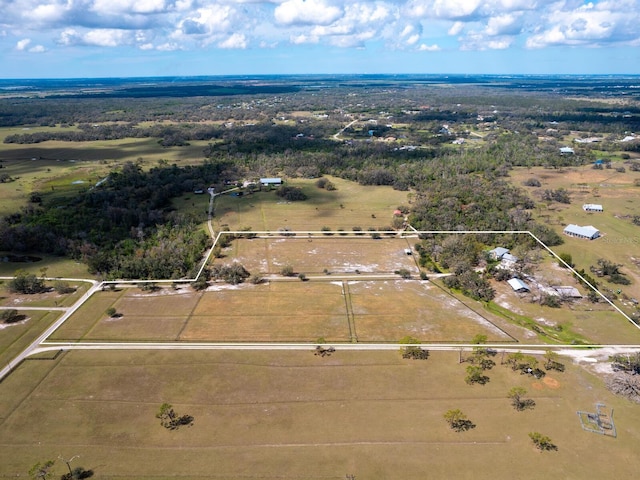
(429, 48)
(456, 28)
(505, 24)
(22, 44)
(110, 7)
(306, 12)
(37, 49)
(101, 37)
(237, 40)
(300, 39)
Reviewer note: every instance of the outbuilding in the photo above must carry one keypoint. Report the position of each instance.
(592, 207)
(497, 253)
(266, 182)
(518, 285)
(589, 232)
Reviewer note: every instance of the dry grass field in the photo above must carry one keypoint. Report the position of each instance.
(312, 255)
(293, 415)
(17, 336)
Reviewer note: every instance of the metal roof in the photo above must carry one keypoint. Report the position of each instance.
(587, 232)
(518, 284)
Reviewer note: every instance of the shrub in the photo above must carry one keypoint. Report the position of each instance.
(542, 442)
(292, 194)
(287, 271)
(532, 182)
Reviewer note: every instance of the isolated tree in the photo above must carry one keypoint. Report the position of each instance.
(567, 259)
(551, 361)
(62, 287)
(170, 420)
(112, 312)
(458, 421)
(9, 316)
(25, 282)
(475, 374)
(516, 394)
(287, 271)
(412, 351)
(42, 470)
(542, 442)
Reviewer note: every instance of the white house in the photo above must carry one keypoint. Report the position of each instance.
(589, 232)
(498, 252)
(592, 207)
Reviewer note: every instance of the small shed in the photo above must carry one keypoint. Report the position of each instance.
(592, 207)
(589, 232)
(518, 285)
(567, 151)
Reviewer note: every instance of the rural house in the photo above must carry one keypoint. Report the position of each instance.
(589, 232)
(497, 253)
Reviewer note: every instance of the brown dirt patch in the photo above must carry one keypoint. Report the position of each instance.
(537, 386)
(551, 382)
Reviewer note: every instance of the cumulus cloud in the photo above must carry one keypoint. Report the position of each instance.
(22, 44)
(429, 48)
(397, 24)
(237, 40)
(306, 12)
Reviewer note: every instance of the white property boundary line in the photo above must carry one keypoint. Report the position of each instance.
(41, 344)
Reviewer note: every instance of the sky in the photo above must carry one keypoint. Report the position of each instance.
(120, 38)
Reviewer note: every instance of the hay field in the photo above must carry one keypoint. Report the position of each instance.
(293, 415)
(312, 255)
(348, 206)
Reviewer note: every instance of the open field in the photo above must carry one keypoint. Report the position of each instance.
(314, 255)
(46, 299)
(293, 415)
(56, 267)
(348, 206)
(281, 312)
(17, 336)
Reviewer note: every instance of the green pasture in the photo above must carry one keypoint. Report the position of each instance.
(46, 299)
(56, 267)
(297, 415)
(349, 205)
(14, 338)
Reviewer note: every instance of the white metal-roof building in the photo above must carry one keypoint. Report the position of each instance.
(270, 181)
(589, 232)
(518, 285)
(592, 207)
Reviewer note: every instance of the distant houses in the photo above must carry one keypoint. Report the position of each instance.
(592, 207)
(589, 232)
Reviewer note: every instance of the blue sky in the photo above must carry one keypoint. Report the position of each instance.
(106, 38)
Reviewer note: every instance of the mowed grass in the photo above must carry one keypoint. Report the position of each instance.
(46, 299)
(15, 337)
(349, 205)
(314, 255)
(294, 415)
